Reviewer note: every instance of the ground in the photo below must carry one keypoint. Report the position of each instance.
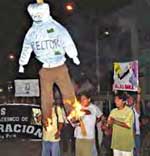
(20, 148)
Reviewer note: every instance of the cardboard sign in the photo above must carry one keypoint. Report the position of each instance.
(126, 76)
(27, 88)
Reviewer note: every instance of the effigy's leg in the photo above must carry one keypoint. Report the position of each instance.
(46, 83)
(65, 85)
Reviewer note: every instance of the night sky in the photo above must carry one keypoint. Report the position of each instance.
(15, 22)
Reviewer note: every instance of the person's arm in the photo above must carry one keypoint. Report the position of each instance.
(99, 114)
(100, 118)
(119, 123)
(126, 124)
(57, 134)
(112, 121)
(138, 101)
(74, 122)
(86, 111)
(105, 128)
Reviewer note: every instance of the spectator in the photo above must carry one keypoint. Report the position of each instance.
(135, 104)
(92, 115)
(106, 141)
(121, 119)
(145, 135)
(51, 133)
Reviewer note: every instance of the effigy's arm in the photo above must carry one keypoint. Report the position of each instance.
(25, 53)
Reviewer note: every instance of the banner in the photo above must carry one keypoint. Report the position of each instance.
(126, 76)
(27, 88)
(20, 121)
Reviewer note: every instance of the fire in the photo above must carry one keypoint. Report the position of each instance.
(76, 113)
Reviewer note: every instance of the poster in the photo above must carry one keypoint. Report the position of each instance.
(18, 120)
(126, 76)
(27, 88)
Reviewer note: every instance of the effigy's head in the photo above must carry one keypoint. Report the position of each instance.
(40, 1)
(39, 11)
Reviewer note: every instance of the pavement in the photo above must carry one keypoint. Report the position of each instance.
(29, 148)
(20, 148)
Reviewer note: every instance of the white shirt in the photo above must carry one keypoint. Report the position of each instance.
(89, 122)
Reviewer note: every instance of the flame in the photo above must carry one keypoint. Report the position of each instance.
(76, 112)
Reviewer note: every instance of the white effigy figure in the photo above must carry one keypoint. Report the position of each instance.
(50, 41)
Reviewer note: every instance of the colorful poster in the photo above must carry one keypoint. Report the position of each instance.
(126, 76)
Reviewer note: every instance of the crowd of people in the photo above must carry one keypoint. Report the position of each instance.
(124, 132)
(121, 129)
